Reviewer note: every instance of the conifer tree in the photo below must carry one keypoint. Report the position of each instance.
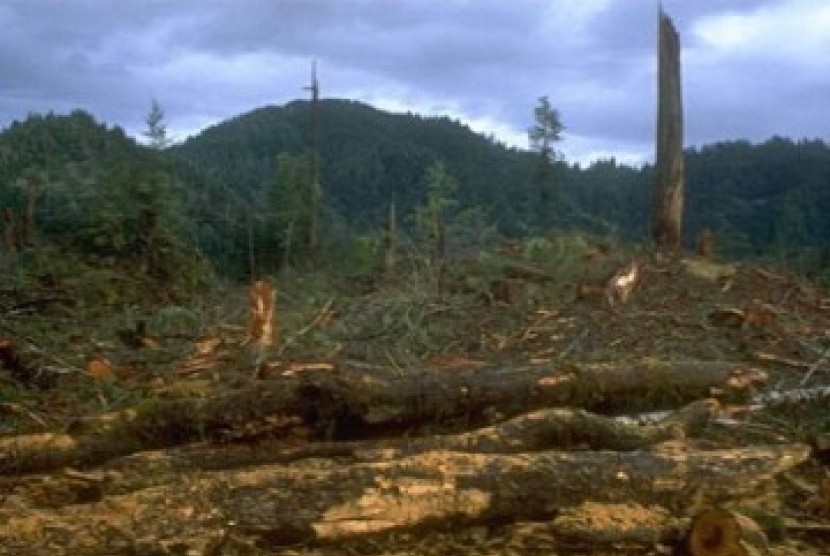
(156, 131)
(546, 131)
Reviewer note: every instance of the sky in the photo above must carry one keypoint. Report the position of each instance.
(751, 68)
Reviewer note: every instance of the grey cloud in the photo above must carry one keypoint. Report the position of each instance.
(487, 59)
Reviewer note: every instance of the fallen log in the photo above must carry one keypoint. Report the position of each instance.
(539, 430)
(547, 429)
(482, 393)
(321, 501)
(348, 404)
(533, 432)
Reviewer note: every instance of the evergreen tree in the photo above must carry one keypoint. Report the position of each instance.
(431, 216)
(543, 135)
(292, 206)
(156, 131)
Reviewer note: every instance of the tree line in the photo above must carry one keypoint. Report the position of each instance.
(234, 197)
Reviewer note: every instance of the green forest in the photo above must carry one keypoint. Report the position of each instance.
(233, 201)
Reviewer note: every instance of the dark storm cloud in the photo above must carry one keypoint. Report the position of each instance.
(484, 61)
(435, 46)
(63, 55)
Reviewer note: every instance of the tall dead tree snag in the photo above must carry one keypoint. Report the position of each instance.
(314, 164)
(667, 208)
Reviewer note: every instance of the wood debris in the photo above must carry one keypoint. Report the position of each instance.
(99, 368)
(819, 503)
(721, 532)
(709, 271)
(262, 331)
(621, 285)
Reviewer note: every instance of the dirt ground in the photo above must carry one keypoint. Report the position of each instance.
(516, 312)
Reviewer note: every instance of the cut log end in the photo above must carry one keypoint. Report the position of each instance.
(719, 532)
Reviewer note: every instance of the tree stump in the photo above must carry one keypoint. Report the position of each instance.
(262, 331)
(720, 532)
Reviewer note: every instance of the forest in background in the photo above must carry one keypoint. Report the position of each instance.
(231, 198)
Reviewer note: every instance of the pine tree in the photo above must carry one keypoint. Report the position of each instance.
(545, 132)
(156, 131)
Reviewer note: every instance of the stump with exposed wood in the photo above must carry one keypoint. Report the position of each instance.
(621, 285)
(262, 331)
(721, 532)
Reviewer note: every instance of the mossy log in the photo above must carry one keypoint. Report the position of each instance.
(352, 404)
(322, 501)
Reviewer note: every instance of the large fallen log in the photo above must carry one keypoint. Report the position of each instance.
(353, 404)
(322, 501)
(540, 430)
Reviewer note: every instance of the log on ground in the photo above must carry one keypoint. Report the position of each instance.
(352, 404)
(322, 501)
(541, 430)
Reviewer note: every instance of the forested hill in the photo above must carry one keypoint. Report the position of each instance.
(74, 191)
(98, 192)
(369, 159)
(769, 199)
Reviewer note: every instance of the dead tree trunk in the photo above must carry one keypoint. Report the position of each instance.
(537, 431)
(348, 404)
(324, 501)
(314, 190)
(668, 191)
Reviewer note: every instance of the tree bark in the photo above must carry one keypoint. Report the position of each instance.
(629, 528)
(533, 432)
(352, 404)
(323, 501)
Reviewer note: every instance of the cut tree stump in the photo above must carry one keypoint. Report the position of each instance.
(720, 532)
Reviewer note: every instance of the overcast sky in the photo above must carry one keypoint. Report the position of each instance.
(751, 68)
